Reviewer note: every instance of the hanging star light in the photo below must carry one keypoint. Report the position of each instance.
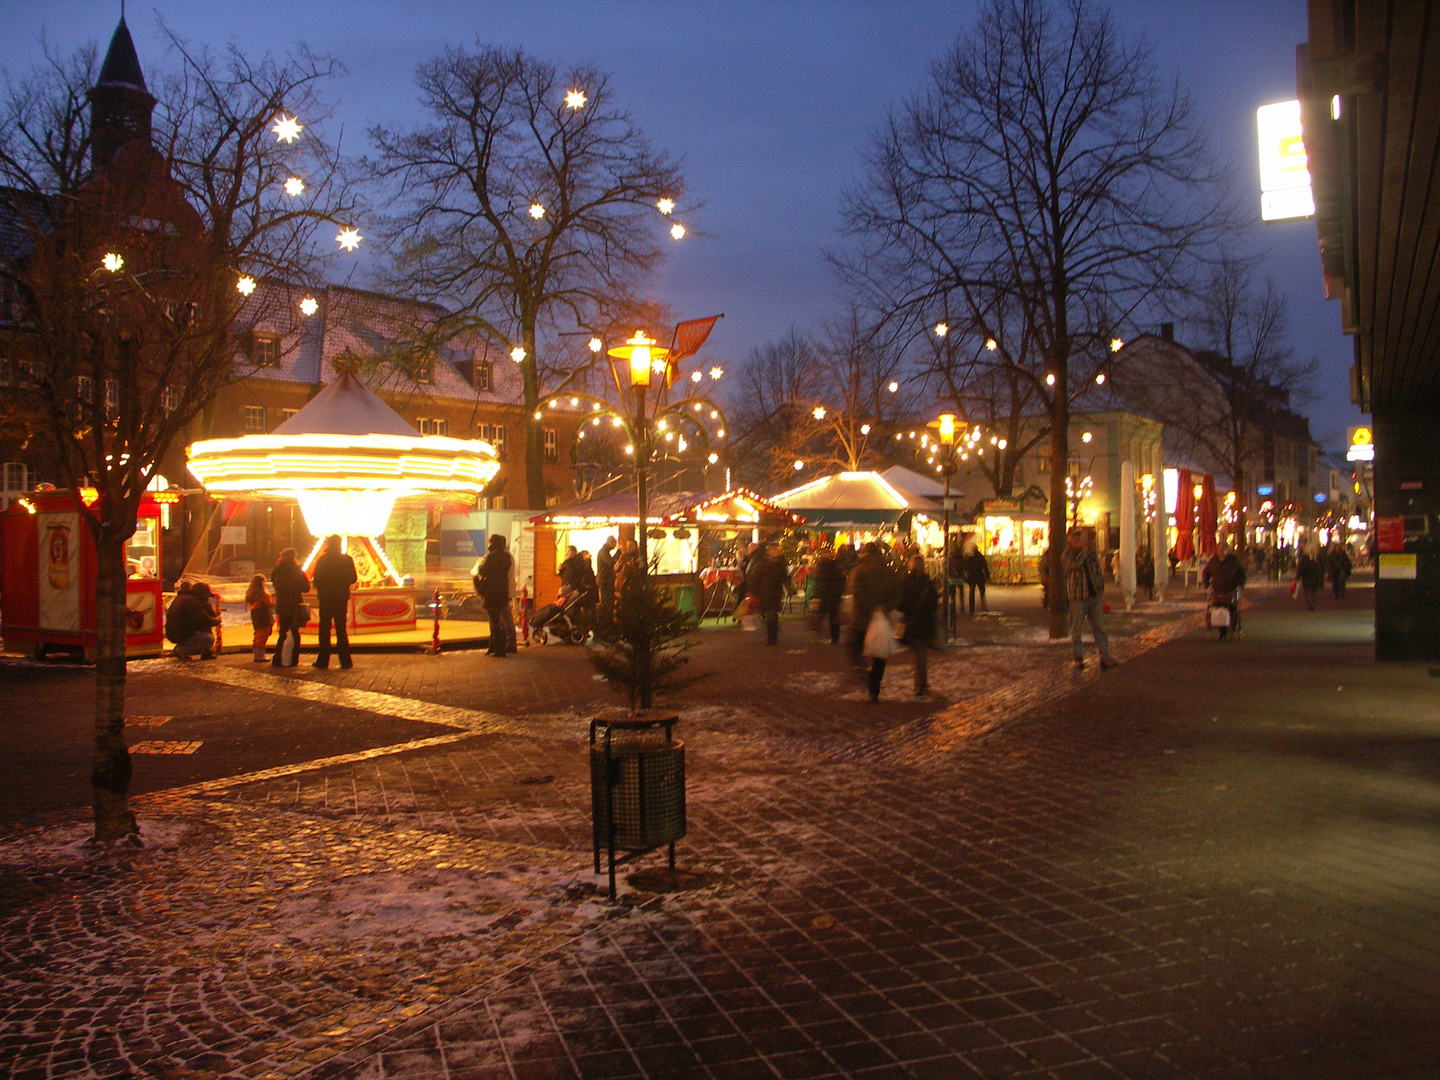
(894, 388)
(309, 305)
(246, 285)
(349, 238)
(941, 329)
(576, 99)
(818, 412)
(665, 206)
(696, 376)
(112, 262)
(517, 353)
(596, 344)
(864, 429)
(677, 231)
(713, 458)
(294, 186)
(287, 129)
(537, 211)
(991, 344)
(1116, 344)
(716, 372)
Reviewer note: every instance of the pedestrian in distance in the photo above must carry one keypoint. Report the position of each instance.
(605, 584)
(743, 590)
(291, 585)
(1085, 589)
(977, 575)
(873, 588)
(828, 589)
(262, 615)
(495, 582)
(768, 574)
(1310, 572)
(1224, 574)
(334, 576)
(1340, 567)
(919, 600)
(190, 623)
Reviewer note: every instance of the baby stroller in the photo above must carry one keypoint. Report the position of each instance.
(564, 620)
(1222, 614)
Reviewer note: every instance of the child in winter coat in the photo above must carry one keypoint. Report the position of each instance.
(262, 614)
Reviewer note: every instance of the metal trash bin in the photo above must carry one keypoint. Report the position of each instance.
(637, 785)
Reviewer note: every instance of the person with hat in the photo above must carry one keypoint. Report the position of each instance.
(190, 623)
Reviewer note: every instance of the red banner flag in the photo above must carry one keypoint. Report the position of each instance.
(690, 335)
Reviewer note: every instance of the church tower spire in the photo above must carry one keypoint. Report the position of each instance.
(120, 105)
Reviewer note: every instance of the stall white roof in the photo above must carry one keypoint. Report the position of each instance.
(851, 499)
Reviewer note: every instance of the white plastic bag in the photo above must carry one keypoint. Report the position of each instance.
(879, 637)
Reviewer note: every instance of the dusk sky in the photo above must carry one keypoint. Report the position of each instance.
(769, 105)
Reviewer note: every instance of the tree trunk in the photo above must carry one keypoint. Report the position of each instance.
(110, 773)
(1238, 537)
(534, 437)
(1059, 502)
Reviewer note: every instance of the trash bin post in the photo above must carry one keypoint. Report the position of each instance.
(637, 786)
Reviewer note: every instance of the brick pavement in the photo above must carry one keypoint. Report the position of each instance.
(1212, 862)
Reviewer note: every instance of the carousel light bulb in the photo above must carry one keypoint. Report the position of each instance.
(669, 436)
(894, 388)
(294, 186)
(991, 344)
(595, 422)
(941, 329)
(595, 406)
(714, 414)
(246, 285)
(517, 353)
(662, 425)
(677, 231)
(309, 305)
(818, 412)
(698, 406)
(112, 262)
(576, 99)
(349, 238)
(287, 129)
(537, 211)
(580, 435)
(596, 344)
(665, 206)
(574, 401)
(720, 434)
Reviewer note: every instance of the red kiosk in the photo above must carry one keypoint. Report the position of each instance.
(47, 559)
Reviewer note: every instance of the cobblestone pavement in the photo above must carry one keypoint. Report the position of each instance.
(1215, 861)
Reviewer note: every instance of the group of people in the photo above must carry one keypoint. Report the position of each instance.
(193, 619)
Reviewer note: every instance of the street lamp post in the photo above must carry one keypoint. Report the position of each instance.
(945, 426)
(641, 357)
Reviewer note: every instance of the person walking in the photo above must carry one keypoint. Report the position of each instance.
(745, 588)
(605, 583)
(1310, 572)
(1085, 588)
(495, 584)
(190, 623)
(290, 585)
(873, 587)
(334, 575)
(1225, 575)
(768, 575)
(977, 575)
(829, 588)
(262, 615)
(919, 600)
(1340, 568)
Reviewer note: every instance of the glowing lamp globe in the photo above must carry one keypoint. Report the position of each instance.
(643, 356)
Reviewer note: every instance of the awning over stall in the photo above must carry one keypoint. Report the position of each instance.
(854, 501)
(738, 506)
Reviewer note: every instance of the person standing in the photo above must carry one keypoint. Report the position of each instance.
(572, 571)
(290, 585)
(605, 583)
(873, 587)
(495, 584)
(919, 600)
(977, 575)
(767, 575)
(334, 575)
(1340, 568)
(829, 588)
(262, 615)
(1310, 572)
(1085, 587)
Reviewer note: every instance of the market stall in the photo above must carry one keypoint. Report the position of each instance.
(861, 506)
(1013, 534)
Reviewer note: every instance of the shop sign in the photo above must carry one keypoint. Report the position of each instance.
(1285, 192)
(1390, 534)
(1397, 567)
(1362, 445)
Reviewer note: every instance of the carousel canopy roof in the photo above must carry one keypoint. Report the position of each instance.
(853, 500)
(738, 506)
(346, 406)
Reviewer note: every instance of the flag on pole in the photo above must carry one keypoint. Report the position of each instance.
(686, 341)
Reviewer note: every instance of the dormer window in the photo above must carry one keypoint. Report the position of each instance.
(483, 375)
(264, 350)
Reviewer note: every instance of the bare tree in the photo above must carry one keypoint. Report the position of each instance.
(131, 242)
(1044, 170)
(530, 204)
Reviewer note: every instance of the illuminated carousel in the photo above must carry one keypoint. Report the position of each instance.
(346, 458)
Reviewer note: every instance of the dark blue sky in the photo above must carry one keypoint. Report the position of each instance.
(768, 103)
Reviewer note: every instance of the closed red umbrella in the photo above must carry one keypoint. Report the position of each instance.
(1208, 516)
(1184, 516)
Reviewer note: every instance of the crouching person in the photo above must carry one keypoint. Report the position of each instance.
(190, 623)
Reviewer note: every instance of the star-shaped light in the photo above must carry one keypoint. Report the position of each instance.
(294, 186)
(991, 344)
(677, 231)
(537, 211)
(349, 238)
(894, 388)
(696, 376)
(941, 329)
(112, 262)
(716, 372)
(596, 344)
(246, 285)
(576, 99)
(309, 305)
(517, 353)
(665, 206)
(713, 458)
(1100, 379)
(818, 412)
(287, 129)
(864, 429)
(799, 465)
(1116, 344)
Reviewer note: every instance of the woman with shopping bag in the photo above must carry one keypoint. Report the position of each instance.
(874, 590)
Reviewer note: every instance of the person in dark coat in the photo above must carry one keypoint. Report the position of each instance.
(977, 576)
(919, 600)
(829, 589)
(190, 623)
(492, 582)
(767, 576)
(572, 571)
(605, 583)
(290, 585)
(1310, 572)
(744, 589)
(1340, 568)
(334, 575)
(873, 587)
(1225, 576)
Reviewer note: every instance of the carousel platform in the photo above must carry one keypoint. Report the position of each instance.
(455, 634)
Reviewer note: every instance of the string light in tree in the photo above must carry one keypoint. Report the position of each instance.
(713, 458)
(677, 231)
(716, 372)
(991, 344)
(864, 429)
(112, 262)
(309, 306)
(665, 206)
(596, 344)
(537, 211)
(246, 285)
(576, 99)
(1050, 379)
(818, 412)
(799, 465)
(287, 129)
(1100, 378)
(349, 238)
(517, 353)
(894, 388)
(294, 186)
(1116, 344)
(941, 329)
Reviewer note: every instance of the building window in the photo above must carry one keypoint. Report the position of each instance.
(552, 444)
(112, 398)
(551, 500)
(499, 502)
(483, 373)
(17, 476)
(254, 419)
(286, 414)
(494, 434)
(423, 368)
(433, 426)
(170, 399)
(265, 350)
